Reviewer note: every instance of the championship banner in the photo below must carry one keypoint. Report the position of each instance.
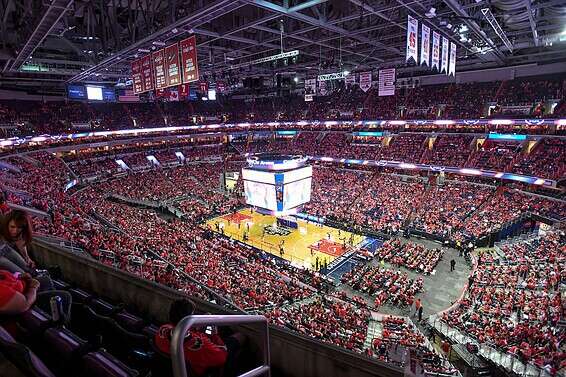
(452, 65)
(147, 73)
(435, 50)
(172, 71)
(412, 39)
(351, 79)
(159, 69)
(203, 87)
(425, 44)
(310, 86)
(365, 81)
(386, 82)
(444, 61)
(136, 77)
(189, 61)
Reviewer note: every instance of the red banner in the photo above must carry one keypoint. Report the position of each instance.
(159, 69)
(183, 90)
(220, 86)
(137, 85)
(146, 73)
(189, 60)
(203, 86)
(172, 71)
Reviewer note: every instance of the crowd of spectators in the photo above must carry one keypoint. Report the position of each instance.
(383, 285)
(456, 101)
(410, 255)
(514, 301)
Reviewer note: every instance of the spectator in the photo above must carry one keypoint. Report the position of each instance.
(203, 352)
(4, 208)
(19, 292)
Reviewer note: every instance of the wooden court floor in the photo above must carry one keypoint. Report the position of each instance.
(301, 246)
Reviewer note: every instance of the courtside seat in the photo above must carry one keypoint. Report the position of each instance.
(102, 364)
(22, 357)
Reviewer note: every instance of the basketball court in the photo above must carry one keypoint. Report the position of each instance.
(300, 246)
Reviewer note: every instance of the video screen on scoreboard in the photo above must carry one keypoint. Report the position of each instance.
(297, 193)
(260, 195)
(94, 93)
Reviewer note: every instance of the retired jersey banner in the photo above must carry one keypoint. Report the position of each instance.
(310, 86)
(386, 82)
(452, 65)
(412, 39)
(322, 89)
(435, 50)
(172, 71)
(425, 44)
(220, 86)
(351, 79)
(365, 81)
(137, 84)
(147, 73)
(444, 61)
(203, 87)
(189, 61)
(159, 69)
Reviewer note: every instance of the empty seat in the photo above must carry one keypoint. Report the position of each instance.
(64, 348)
(129, 321)
(101, 364)
(22, 357)
(80, 296)
(34, 322)
(61, 285)
(103, 307)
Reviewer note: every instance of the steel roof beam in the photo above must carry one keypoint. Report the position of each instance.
(193, 20)
(319, 24)
(50, 18)
(532, 21)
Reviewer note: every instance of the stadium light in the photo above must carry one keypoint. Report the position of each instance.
(296, 79)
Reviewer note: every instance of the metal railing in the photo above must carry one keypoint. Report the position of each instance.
(177, 349)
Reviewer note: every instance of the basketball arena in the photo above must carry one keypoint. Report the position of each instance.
(287, 188)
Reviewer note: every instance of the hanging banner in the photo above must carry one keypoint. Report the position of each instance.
(365, 81)
(386, 82)
(184, 90)
(435, 50)
(137, 85)
(310, 86)
(159, 69)
(147, 73)
(425, 44)
(220, 86)
(351, 79)
(452, 65)
(412, 39)
(332, 76)
(189, 61)
(322, 88)
(444, 61)
(172, 71)
(309, 97)
(203, 87)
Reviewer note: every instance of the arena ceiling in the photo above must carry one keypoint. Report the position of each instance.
(57, 41)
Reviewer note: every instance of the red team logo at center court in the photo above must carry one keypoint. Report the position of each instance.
(328, 247)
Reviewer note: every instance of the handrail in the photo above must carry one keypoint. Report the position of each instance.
(177, 350)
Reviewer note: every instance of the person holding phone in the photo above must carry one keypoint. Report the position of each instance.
(204, 350)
